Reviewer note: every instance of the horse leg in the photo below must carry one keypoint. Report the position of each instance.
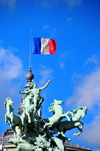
(77, 125)
(28, 114)
(79, 132)
(18, 131)
(24, 124)
(48, 132)
(70, 113)
(14, 135)
(14, 132)
(81, 125)
(54, 130)
(62, 134)
(47, 127)
(29, 118)
(25, 129)
(21, 126)
(48, 124)
(6, 120)
(35, 126)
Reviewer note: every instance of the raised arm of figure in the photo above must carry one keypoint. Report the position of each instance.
(45, 85)
(23, 92)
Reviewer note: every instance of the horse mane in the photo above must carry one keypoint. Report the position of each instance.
(79, 108)
(12, 108)
(5, 104)
(51, 108)
(75, 111)
(6, 101)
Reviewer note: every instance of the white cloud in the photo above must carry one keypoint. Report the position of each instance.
(91, 133)
(73, 3)
(93, 59)
(49, 4)
(11, 65)
(10, 3)
(45, 3)
(11, 68)
(87, 92)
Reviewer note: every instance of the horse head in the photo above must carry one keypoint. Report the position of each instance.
(57, 102)
(8, 102)
(54, 106)
(84, 109)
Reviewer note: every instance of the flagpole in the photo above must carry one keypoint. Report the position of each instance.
(31, 49)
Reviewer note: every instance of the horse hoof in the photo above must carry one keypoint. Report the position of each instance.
(29, 121)
(24, 137)
(75, 134)
(40, 130)
(69, 139)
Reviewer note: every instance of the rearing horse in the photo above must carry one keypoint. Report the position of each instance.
(74, 122)
(11, 119)
(59, 114)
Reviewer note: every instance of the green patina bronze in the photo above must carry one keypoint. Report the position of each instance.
(31, 132)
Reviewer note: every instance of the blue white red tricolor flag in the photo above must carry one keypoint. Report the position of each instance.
(44, 46)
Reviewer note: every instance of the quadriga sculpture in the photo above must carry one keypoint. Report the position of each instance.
(32, 133)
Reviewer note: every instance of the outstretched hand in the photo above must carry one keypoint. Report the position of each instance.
(50, 80)
(20, 91)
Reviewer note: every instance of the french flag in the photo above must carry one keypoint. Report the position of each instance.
(44, 46)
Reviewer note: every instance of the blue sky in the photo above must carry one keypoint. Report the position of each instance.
(75, 67)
